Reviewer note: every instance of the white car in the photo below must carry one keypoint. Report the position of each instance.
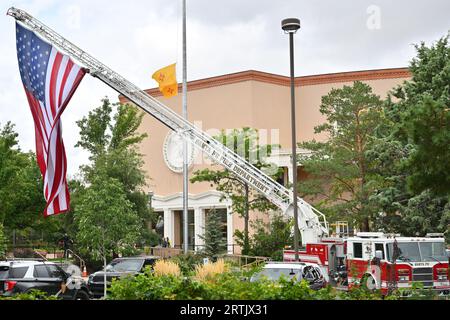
(298, 270)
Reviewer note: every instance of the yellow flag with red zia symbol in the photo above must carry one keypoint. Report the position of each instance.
(167, 80)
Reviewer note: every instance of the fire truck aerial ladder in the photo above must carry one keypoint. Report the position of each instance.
(312, 223)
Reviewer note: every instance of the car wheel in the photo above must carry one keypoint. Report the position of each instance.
(81, 295)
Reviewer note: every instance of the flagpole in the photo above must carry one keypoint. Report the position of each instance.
(185, 147)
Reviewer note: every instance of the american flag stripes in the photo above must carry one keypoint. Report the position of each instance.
(50, 79)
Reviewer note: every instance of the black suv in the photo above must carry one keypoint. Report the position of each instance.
(22, 276)
(118, 268)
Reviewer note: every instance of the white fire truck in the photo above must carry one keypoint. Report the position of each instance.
(373, 258)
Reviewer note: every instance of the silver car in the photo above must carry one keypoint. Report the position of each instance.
(293, 270)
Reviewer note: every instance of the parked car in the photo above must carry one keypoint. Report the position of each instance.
(298, 270)
(118, 268)
(23, 276)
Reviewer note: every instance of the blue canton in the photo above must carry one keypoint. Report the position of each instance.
(33, 54)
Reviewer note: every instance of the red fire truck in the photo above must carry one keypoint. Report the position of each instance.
(378, 261)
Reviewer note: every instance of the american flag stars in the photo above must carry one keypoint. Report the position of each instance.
(33, 54)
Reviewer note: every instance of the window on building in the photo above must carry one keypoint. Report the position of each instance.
(159, 227)
(357, 250)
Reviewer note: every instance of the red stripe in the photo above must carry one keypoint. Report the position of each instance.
(36, 111)
(32, 103)
(56, 204)
(34, 106)
(64, 80)
(40, 152)
(76, 83)
(53, 79)
(57, 167)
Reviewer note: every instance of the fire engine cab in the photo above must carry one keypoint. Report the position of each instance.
(379, 261)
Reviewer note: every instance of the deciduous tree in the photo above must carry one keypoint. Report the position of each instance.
(112, 140)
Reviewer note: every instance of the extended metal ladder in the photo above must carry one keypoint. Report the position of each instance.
(312, 223)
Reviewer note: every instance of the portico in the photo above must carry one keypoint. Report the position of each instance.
(171, 208)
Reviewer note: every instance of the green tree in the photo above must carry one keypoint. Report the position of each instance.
(244, 142)
(426, 119)
(21, 198)
(269, 238)
(411, 156)
(339, 168)
(107, 223)
(113, 141)
(215, 242)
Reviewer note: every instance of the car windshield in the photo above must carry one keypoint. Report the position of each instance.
(417, 251)
(276, 273)
(124, 265)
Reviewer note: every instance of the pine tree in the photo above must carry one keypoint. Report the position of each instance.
(215, 243)
(339, 168)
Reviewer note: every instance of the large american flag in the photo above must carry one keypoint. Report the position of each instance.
(50, 79)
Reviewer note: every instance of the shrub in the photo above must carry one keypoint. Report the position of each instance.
(215, 283)
(149, 286)
(32, 295)
(188, 262)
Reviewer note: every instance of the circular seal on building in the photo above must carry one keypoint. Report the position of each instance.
(173, 152)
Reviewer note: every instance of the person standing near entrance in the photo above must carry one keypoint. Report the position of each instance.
(66, 243)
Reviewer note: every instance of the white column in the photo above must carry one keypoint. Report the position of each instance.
(169, 220)
(199, 227)
(230, 230)
(290, 173)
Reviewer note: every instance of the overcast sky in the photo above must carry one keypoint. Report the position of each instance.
(137, 37)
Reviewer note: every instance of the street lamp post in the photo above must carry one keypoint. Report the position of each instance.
(290, 26)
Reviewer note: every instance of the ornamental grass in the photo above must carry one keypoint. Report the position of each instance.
(166, 268)
(209, 270)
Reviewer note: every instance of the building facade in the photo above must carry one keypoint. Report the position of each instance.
(251, 99)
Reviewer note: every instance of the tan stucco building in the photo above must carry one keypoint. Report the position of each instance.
(246, 99)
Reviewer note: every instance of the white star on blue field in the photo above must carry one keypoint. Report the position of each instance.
(33, 54)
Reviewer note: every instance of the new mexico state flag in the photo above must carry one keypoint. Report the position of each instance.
(167, 80)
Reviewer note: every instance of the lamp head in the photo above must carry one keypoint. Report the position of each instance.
(290, 25)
